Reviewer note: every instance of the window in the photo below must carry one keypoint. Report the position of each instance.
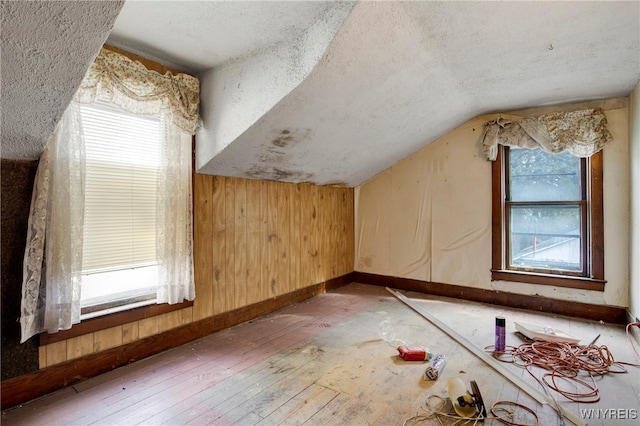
(119, 263)
(123, 182)
(547, 218)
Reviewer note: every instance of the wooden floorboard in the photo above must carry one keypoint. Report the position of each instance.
(325, 362)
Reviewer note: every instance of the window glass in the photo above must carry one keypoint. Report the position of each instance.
(545, 237)
(547, 224)
(545, 211)
(535, 175)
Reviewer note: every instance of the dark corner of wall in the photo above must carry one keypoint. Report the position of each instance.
(17, 183)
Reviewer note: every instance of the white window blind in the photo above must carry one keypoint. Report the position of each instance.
(122, 152)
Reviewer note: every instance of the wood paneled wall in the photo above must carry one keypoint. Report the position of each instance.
(253, 240)
(259, 239)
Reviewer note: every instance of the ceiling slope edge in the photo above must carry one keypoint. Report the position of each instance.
(361, 98)
(242, 91)
(397, 76)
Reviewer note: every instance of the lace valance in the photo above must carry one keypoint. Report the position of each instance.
(52, 269)
(134, 88)
(582, 133)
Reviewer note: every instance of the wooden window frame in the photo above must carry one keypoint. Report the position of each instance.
(592, 278)
(136, 314)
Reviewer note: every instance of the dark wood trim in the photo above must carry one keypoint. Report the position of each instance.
(610, 314)
(547, 279)
(39, 383)
(596, 216)
(148, 63)
(594, 268)
(497, 202)
(111, 320)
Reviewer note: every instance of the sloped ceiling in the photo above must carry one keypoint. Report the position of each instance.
(46, 49)
(336, 92)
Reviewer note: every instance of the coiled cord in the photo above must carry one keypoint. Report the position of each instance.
(565, 362)
(442, 408)
(633, 346)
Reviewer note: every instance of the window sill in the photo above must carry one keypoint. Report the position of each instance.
(111, 320)
(546, 279)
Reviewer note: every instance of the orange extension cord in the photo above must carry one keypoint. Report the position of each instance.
(636, 324)
(565, 362)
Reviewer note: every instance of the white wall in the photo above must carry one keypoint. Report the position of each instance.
(429, 216)
(634, 146)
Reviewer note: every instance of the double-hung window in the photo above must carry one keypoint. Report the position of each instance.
(111, 210)
(119, 263)
(547, 219)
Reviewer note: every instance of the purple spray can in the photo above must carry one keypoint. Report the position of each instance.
(500, 334)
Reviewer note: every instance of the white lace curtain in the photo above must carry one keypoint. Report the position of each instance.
(582, 133)
(53, 256)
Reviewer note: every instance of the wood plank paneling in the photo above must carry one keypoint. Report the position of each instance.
(263, 241)
(56, 353)
(253, 240)
(42, 356)
(203, 262)
(307, 265)
(295, 243)
(80, 346)
(346, 225)
(240, 243)
(283, 216)
(187, 315)
(107, 339)
(254, 248)
(316, 235)
(148, 327)
(217, 277)
(130, 332)
(270, 238)
(318, 241)
(334, 246)
(169, 320)
(349, 230)
(229, 236)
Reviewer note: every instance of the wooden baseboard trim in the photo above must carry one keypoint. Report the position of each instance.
(610, 314)
(21, 389)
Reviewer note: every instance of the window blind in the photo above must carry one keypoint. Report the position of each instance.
(122, 165)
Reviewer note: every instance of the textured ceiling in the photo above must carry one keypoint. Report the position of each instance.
(46, 50)
(336, 92)
(199, 35)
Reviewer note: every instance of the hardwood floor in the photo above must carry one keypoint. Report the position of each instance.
(323, 361)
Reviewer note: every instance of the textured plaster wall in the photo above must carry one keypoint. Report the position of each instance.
(17, 183)
(429, 216)
(634, 147)
(47, 47)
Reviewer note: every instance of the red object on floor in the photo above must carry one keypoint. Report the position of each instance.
(414, 353)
